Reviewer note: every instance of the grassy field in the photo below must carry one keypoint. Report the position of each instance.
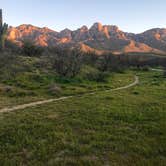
(28, 87)
(126, 127)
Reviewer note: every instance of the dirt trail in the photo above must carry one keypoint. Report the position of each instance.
(157, 70)
(23, 106)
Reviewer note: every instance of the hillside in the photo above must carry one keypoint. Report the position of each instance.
(99, 38)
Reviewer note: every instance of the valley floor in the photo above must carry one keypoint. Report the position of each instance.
(126, 127)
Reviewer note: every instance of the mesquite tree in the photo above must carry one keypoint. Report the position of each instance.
(67, 63)
(3, 32)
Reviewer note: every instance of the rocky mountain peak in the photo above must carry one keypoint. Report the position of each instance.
(65, 33)
(97, 26)
(113, 28)
(84, 28)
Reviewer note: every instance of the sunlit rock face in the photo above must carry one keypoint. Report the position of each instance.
(98, 38)
(42, 40)
(40, 36)
(99, 32)
(97, 27)
(137, 47)
(82, 34)
(13, 34)
(155, 38)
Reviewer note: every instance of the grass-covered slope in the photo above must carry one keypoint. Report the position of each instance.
(126, 127)
(28, 79)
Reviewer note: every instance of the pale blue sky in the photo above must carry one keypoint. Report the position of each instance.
(130, 15)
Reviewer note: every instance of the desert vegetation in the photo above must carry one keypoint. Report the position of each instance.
(94, 96)
(120, 128)
(30, 73)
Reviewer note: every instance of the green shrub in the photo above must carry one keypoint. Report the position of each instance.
(145, 68)
(30, 49)
(136, 93)
(93, 74)
(54, 89)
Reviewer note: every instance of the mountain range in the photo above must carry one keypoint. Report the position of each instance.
(98, 38)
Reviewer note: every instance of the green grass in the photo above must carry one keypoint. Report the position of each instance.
(28, 87)
(126, 127)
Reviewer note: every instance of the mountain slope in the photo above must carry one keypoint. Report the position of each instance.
(99, 38)
(155, 38)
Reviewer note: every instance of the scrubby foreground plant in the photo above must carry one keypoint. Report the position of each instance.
(3, 31)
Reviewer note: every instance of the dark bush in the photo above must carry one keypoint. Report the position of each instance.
(30, 49)
(67, 63)
(144, 68)
(93, 74)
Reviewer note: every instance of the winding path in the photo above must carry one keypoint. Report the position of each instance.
(157, 70)
(23, 106)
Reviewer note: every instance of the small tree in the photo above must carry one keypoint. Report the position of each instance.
(30, 49)
(68, 63)
(109, 62)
